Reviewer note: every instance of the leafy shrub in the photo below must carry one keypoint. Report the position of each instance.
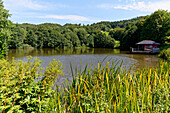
(165, 54)
(2, 53)
(20, 92)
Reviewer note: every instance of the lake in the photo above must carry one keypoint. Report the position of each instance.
(80, 57)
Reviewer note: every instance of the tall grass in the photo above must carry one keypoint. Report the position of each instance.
(109, 89)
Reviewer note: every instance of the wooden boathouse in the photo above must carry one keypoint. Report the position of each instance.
(146, 46)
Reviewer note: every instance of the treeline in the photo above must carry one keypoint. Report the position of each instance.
(56, 36)
(48, 35)
(98, 35)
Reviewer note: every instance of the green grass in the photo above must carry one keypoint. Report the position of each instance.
(100, 89)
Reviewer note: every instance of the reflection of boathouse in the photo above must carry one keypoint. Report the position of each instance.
(146, 46)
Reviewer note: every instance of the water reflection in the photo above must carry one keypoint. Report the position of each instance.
(17, 53)
(80, 57)
(145, 60)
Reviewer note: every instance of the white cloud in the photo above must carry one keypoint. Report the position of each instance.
(69, 17)
(133, 0)
(106, 6)
(18, 4)
(31, 4)
(146, 7)
(141, 6)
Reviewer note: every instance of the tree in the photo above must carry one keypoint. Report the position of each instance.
(67, 40)
(40, 39)
(130, 38)
(75, 40)
(17, 37)
(4, 27)
(90, 40)
(82, 34)
(101, 40)
(30, 39)
(116, 33)
(55, 39)
(155, 26)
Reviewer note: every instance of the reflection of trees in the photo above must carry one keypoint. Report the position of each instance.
(107, 51)
(17, 53)
(145, 60)
(70, 51)
(87, 54)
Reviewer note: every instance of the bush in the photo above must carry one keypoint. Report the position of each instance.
(2, 53)
(19, 90)
(165, 54)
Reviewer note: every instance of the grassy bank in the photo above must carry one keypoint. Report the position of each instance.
(101, 89)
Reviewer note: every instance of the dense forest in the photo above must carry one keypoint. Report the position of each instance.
(48, 35)
(120, 34)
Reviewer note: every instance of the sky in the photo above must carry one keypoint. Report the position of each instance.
(80, 11)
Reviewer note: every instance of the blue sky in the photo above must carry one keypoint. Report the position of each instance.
(80, 11)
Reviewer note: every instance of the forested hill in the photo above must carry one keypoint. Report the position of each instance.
(106, 25)
(103, 25)
(49, 35)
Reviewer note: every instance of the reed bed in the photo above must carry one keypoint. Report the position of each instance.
(105, 89)
(111, 90)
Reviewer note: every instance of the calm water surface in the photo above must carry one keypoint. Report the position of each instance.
(80, 57)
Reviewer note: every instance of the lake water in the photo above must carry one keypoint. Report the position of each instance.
(80, 57)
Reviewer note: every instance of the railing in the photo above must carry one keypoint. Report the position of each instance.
(154, 50)
(137, 49)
